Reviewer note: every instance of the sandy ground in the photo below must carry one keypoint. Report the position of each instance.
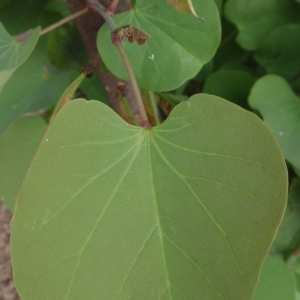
(7, 288)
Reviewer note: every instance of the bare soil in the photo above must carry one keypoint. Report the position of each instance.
(7, 287)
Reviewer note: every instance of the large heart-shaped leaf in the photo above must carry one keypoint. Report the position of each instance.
(273, 97)
(276, 281)
(185, 210)
(13, 53)
(177, 39)
(17, 148)
(279, 53)
(255, 19)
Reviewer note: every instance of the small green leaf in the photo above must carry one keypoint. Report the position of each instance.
(255, 19)
(297, 278)
(176, 40)
(17, 149)
(233, 85)
(13, 53)
(279, 53)
(186, 210)
(273, 97)
(276, 281)
(68, 94)
(294, 262)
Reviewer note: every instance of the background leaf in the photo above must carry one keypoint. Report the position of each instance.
(35, 85)
(14, 53)
(279, 53)
(280, 107)
(19, 16)
(17, 149)
(177, 39)
(233, 85)
(93, 90)
(256, 19)
(276, 281)
(187, 209)
(65, 47)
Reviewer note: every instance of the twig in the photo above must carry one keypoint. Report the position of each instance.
(65, 20)
(135, 89)
(228, 38)
(112, 7)
(101, 10)
(294, 78)
(154, 108)
(144, 122)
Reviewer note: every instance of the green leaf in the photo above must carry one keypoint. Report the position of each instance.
(17, 148)
(294, 262)
(231, 85)
(288, 235)
(68, 94)
(279, 53)
(177, 39)
(255, 19)
(186, 210)
(35, 85)
(276, 281)
(280, 107)
(297, 278)
(13, 53)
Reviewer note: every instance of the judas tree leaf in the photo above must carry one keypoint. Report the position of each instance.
(233, 85)
(276, 281)
(17, 148)
(279, 53)
(13, 53)
(175, 39)
(68, 95)
(256, 19)
(297, 278)
(185, 210)
(35, 85)
(280, 107)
